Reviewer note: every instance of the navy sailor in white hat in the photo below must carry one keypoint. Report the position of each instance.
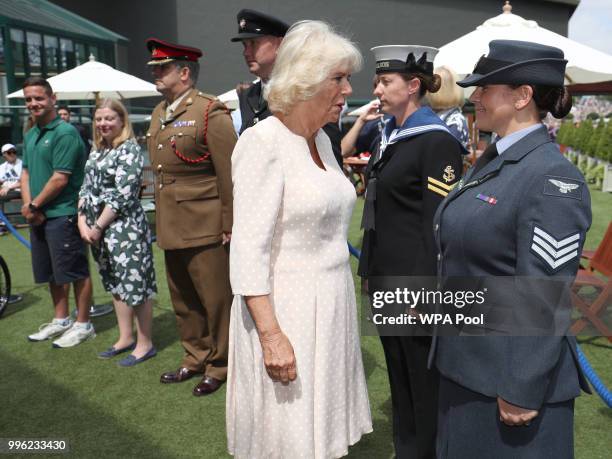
(417, 164)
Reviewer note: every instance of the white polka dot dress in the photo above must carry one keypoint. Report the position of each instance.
(289, 241)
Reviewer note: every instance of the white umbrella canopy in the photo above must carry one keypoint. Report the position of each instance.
(230, 98)
(585, 64)
(95, 80)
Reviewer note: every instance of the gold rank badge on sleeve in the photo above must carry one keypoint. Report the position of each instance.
(438, 187)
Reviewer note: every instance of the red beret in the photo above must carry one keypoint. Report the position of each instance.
(163, 52)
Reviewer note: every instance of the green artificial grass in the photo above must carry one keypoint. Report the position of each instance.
(106, 411)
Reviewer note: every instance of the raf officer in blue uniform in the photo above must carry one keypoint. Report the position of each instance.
(522, 211)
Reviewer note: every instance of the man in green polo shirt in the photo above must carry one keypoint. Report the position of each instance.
(53, 164)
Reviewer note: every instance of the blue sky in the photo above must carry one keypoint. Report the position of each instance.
(591, 24)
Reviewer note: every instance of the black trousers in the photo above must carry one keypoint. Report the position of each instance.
(414, 395)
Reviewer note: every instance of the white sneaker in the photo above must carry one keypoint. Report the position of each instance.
(75, 335)
(46, 331)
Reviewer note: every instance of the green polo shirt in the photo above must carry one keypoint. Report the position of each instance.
(55, 147)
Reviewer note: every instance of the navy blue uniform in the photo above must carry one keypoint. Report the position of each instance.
(253, 107)
(412, 177)
(526, 213)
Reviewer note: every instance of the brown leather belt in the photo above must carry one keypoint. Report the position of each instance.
(182, 171)
(167, 175)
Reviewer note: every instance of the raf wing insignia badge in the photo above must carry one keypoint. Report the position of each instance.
(564, 187)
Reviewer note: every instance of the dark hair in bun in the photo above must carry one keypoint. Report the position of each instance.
(554, 99)
(435, 83)
(431, 83)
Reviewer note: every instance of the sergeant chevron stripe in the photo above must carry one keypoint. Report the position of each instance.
(555, 253)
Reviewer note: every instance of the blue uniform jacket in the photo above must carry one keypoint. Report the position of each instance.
(526, 213)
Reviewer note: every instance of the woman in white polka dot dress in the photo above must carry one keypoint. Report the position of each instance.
(296, 385)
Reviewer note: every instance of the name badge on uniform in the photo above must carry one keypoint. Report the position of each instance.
(184, 123)
(563, 187)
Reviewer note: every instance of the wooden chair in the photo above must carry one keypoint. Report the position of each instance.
(597, 275)
(605, 242)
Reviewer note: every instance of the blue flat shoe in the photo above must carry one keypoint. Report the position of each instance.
(130, 360)
(112, 352)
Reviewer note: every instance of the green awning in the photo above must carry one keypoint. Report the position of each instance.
(49, 16)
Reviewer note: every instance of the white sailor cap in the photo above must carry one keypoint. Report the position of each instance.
(404, 58)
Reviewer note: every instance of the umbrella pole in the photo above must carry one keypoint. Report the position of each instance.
(97, 96)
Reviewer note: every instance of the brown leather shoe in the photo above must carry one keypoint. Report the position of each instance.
(207, 386)
(180, 375)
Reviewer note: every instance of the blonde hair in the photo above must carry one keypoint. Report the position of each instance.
(126, 133)
(308, 54)
(450, 94)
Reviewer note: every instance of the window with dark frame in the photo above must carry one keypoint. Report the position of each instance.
(34, 47)
(18, 51)
(51, 55)
(67, 56)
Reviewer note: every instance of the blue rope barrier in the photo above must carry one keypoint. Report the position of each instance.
(353, 251)
(597, 383)
(14, 232)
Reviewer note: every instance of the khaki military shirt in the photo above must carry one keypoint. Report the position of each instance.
(193, 197)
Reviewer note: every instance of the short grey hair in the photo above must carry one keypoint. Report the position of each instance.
(307, 56)
(194, 69)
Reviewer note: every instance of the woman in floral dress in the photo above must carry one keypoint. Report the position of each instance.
(112, 220)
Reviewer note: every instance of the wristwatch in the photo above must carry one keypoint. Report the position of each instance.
(33, 207)
(98, 227)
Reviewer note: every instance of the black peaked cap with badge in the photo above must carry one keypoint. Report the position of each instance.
(253, 24)
(518, 62)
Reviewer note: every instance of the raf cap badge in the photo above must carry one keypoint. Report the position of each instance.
(242, 23)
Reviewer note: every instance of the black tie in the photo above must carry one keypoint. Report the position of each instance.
(487, 156)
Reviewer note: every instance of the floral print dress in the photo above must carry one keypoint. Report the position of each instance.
(457, 124)
(124, 255)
